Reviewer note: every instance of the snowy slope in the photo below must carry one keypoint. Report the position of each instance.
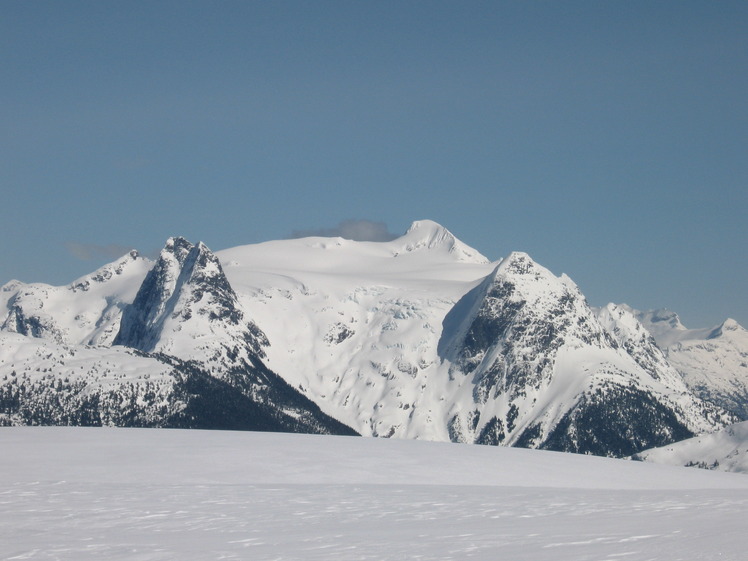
(725, 450)
(46, 383)
(72, 493)
(713, 362)
(85, 312)
(422, 337)
(354, 325)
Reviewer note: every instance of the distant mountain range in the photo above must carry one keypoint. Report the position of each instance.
(419, 337)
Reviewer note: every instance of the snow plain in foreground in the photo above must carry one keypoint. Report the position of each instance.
(146, 494)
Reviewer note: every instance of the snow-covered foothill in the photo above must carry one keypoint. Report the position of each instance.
(724, 450)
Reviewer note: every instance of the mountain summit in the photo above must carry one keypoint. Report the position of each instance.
(186, 307)
(546, 373)
(428, 235)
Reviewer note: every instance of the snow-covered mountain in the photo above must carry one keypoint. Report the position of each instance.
(175, 352)
(547, 373)
(418, 337)
(713, 362)
(85, 312)
(724, 450)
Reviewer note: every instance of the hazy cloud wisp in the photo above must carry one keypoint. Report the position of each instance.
(357, 230)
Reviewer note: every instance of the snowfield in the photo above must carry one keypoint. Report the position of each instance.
(147, 494)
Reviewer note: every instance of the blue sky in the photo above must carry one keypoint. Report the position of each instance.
(607, 139)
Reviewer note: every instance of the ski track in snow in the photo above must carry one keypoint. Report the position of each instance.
(150, 495)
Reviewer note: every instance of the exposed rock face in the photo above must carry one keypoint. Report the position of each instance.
(186, 295)
(547, 373)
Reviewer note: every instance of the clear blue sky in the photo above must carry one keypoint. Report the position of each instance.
(607, 139)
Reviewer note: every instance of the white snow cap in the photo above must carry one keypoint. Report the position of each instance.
(427, 234)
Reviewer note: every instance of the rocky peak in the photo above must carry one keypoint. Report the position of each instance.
(211, 293)
(552, 375)
(186, 280)
(177, 246)
(518, 263)
(517, 319)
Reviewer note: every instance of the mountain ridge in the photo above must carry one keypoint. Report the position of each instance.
(712, 361)
(417, 337)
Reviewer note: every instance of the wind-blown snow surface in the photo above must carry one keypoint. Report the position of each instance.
(135, 494)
